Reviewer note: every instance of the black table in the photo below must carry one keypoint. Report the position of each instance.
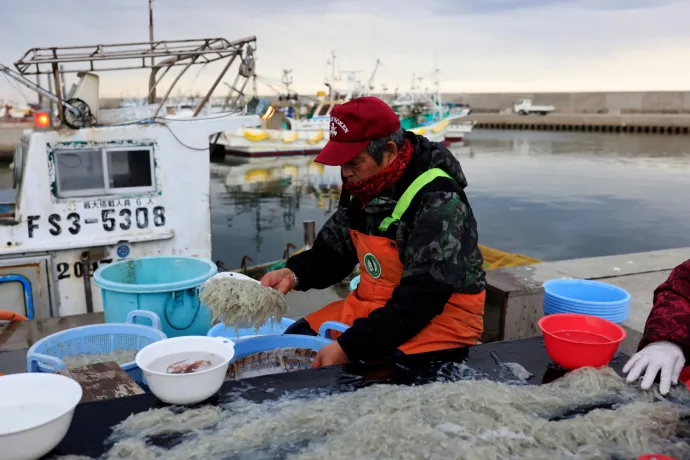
(93, 421)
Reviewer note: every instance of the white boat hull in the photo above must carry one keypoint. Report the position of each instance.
(457, 132)
(51, 235)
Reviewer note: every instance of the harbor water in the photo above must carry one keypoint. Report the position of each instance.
(548, 195)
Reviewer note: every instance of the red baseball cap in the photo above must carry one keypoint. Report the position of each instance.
(353, 126)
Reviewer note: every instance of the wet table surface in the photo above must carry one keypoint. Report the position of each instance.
(93, 421)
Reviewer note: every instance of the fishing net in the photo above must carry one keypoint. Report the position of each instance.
(241, 303)
(588, 414)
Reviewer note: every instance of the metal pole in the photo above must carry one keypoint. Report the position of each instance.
(58, 93)
(152, 89)
(151, 24)
(309, 233)
(63, 79)
(172, 85)
(50, 89)
(214, 86)
(40, 96)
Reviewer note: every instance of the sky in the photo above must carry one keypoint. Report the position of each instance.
(477, 45)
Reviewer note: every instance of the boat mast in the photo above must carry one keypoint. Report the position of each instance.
(152, 79)
(437, 83)
(287, 81)
(373, 74)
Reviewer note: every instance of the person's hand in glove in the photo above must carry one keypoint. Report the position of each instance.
(666, 357)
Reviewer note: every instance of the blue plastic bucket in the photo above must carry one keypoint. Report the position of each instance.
(586, 297)
(165, 285)
(219, 330)
(46, 354)
(251, 345)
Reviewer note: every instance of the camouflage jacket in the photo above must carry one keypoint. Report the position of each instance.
(669, 319)
(437, 243)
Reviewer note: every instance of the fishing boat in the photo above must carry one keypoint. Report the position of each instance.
(94, 186)
(424, 113)
(15, 112)
(458, 131)
(285, 135)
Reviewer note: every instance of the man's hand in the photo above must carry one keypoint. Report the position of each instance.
(330, 355)
(666, 357)
(283, 280)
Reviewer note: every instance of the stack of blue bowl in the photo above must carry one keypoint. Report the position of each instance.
(586, 297)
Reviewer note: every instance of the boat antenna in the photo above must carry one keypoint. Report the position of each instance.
(437, 83)
(287, 80)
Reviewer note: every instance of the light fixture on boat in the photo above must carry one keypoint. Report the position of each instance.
(42, 120)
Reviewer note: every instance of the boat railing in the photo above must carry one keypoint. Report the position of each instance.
(158, 56)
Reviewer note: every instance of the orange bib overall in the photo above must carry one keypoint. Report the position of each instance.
(460, 323)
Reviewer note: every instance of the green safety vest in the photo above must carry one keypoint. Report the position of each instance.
(407, 197)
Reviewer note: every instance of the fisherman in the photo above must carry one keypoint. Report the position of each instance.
(665, 344)
(404, 217)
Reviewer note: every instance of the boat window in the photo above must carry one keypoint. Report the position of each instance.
(79, 172)
(98, 172)
(130, 169)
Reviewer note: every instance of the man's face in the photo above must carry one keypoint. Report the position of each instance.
(363, 166)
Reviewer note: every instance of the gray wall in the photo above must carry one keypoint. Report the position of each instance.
(603, 102)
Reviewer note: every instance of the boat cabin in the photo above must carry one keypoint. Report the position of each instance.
(96, 186)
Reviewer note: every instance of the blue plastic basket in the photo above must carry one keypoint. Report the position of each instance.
(165, 285)
(586, 297)
(219, 330)
(44, 355)
(251, 345)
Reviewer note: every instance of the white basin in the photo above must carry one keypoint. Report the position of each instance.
(186, 388)
(36, 411)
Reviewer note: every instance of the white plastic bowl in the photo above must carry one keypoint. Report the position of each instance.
(36, 411)
(186, 388)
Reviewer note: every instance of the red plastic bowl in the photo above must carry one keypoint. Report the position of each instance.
(574, 340)
(655, 457)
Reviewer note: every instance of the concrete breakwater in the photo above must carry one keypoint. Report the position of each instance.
(642, 124)
(601, 102)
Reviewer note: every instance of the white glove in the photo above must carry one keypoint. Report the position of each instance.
(666, 357)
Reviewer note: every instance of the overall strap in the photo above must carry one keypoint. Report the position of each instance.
(406, 198)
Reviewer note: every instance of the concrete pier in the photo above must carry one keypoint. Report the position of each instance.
(515, 296)
(641, 124)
